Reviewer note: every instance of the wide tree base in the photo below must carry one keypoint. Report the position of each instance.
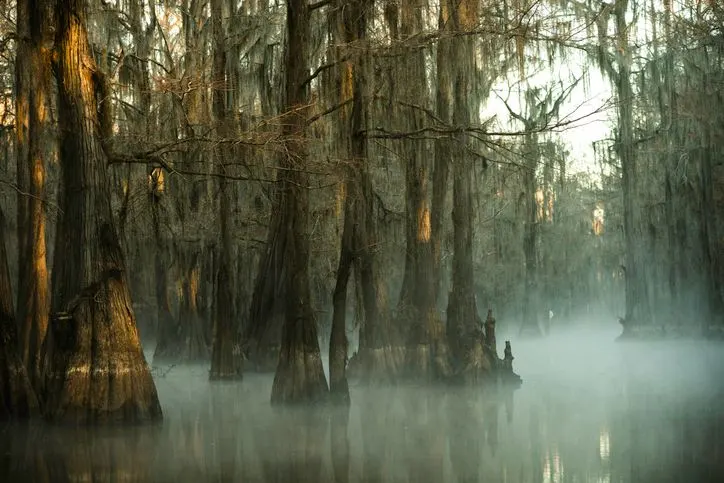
(228, 365)
(428, 363)
(299, 378)
(478, 365)
(17, 398)
(96, 372)
(378, 365)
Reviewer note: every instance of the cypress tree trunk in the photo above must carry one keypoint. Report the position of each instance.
(338, 344)
(225, 358)
(96, 371)
(167, 331)
(17, 398)
(299, 377)
(32, 86)
(464, 326)
(441, 170)
(426, 348)
(638, 310)
(193, 347)
(531, 309)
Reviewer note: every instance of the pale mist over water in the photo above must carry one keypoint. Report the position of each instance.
(590, 410)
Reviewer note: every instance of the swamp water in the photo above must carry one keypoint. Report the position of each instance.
(589, 410)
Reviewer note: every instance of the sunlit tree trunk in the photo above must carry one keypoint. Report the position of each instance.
(96, 371)
(299, 376)
(32, 86)
(17, 397)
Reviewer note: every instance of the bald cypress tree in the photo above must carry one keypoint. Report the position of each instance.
(95, 369)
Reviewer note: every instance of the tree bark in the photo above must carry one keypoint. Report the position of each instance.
(96, 371)
(17, 397)
(638, 310)
(226, 362)
(32, 88)
(338, 345)
(426, 348)
(299, 377)
(168, 330)
(471, 355)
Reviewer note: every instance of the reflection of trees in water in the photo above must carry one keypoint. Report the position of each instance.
(42, 454)
(292, 447)
(227, 432)
(424, 434)
(339, 443)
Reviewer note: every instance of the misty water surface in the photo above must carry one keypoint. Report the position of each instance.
(589, 410)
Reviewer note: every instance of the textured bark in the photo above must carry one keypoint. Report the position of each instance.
(263, 331)
(375, 358)
(226, 362)
(472, 357)
(96, 371)
(299, 377)
(426, 348)
(32, 88)
(167, 331)
(441, 172)
(17, 397)
(194, 347)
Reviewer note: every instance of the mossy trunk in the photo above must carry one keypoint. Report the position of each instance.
(426, 348)
(95, 368)
(300, 376)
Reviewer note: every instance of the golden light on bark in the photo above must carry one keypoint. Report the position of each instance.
(423, 223)
(468, 14)
(194, 277)
(598, 219)
(156, 181)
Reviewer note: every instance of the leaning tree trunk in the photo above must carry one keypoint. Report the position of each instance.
(32, 87)
(17, 398)
(299, 376)
(225, 356)
(338, 386)
(96, 371)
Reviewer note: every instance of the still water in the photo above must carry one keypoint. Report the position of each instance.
(589, 410)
